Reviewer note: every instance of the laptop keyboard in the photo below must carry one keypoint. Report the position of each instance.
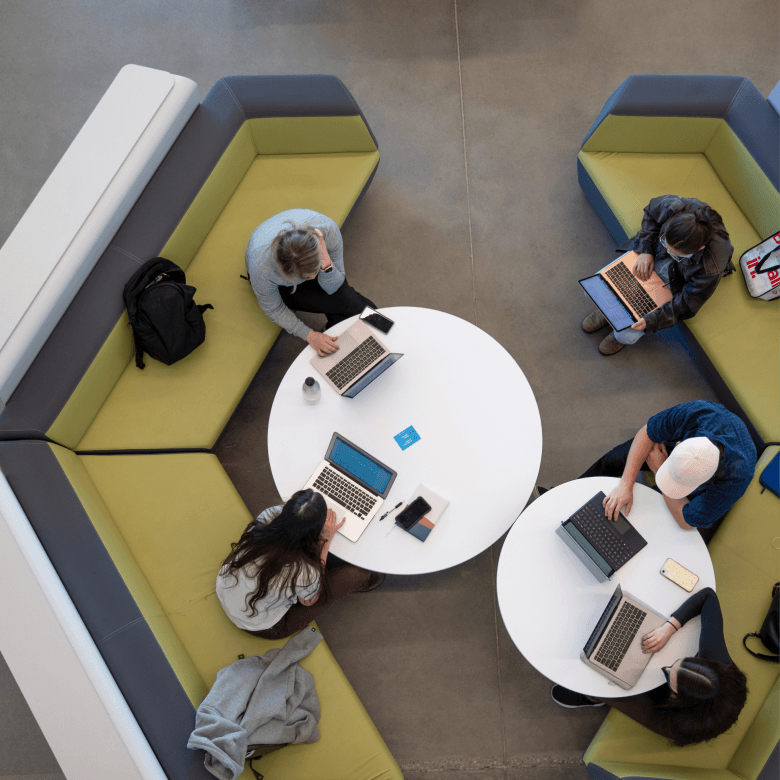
(358, 360)
(630, 289)
(622, 632)
(330, 483)
(591, 523)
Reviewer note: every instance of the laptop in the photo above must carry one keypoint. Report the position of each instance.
(622, 298)
(354, 484)
(603, 545)
(360, 359)
(615, 646)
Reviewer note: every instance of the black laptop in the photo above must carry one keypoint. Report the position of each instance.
(603, 545)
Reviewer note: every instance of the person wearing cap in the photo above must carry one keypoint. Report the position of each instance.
(703, 459)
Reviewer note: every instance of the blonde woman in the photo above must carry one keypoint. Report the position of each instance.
(295, 262)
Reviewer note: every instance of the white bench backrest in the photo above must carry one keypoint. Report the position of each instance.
(78, 210)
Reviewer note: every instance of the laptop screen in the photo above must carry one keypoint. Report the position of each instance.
(611, 306)
(360, 466)
(371, 375)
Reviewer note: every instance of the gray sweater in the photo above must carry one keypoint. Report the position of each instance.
(266, 276)
(261, 700)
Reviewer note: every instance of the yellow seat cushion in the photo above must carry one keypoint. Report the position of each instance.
(740, 335)
(179, 528)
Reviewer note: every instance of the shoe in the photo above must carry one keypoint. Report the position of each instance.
(610, 345)
(594, 321)
(571, 700)
(374, 581)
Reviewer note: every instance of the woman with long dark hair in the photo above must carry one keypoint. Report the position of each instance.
(703, 694)
(278, 577)
(685, 242)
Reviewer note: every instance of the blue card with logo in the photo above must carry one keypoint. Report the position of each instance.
(407, 437)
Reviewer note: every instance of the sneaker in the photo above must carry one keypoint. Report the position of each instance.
(610, 345)
(594, 321)
(571, 700)
(374, 581)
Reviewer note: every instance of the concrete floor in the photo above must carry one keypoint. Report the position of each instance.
(479, 107)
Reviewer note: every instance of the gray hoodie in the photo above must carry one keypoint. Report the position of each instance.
(261, 700)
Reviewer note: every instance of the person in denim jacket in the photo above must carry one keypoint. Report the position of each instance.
(685, 242)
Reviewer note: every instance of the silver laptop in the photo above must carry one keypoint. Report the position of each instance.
(622, 298)
(615, 646)
(354, 484)
(360, 359)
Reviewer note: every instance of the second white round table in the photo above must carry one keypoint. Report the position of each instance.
(550, 602)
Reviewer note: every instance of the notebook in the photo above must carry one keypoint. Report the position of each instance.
(614, 649)
(603, 545)
(423, 527)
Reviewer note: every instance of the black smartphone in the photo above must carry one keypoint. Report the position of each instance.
(413, 513)
(377, 320)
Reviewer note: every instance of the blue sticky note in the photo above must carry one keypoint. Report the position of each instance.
(407, 437)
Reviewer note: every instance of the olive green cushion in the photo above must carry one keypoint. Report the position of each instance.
(653, 134)
(738, 334)
(746, 566)
(121, 554)
(178, 530)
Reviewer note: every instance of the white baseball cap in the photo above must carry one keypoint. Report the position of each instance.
(690, 464)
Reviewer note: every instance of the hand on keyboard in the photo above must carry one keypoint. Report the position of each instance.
(621, 498)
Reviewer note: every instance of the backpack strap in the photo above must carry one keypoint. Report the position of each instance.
(139, 352)
(766, 657)
(203, 306)
(257, 752)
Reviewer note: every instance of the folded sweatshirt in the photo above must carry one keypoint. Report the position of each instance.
(261, 700)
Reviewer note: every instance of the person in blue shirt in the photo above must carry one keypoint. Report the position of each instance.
(703, 459)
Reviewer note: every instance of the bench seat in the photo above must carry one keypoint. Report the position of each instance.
(715, 138)
(627, 182)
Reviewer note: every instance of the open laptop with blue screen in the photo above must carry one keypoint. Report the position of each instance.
(354, 484)
(360, 359)
(622, 298)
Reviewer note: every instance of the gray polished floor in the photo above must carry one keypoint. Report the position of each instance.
(479, 107)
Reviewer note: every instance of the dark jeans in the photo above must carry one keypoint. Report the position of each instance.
(309, 296)
(612, 465)
(343, 579)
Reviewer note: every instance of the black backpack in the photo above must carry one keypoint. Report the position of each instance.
(166, 322)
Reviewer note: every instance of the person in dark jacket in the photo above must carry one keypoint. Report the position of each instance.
(703, 694)
(685, 242)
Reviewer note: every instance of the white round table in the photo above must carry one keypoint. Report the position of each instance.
(550, 602)
(480, 438)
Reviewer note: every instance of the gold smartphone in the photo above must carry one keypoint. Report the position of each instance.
(679, 575)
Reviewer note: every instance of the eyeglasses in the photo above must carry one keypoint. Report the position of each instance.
(667, 670)
(677, 257)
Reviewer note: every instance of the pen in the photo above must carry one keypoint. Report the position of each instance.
(390, 510)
